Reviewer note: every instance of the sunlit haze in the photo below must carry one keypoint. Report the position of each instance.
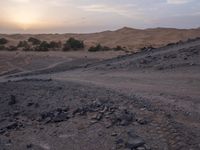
(60, 16)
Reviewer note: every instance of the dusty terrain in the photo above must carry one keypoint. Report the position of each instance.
(86, 101)
(132, 39)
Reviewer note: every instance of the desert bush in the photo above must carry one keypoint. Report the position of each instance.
(3, 41)
(66, 47)
(34, 41)
(73, 44)
(23, 44)
(95, 48)
(55, 45)
(98, 47)
(44, 46)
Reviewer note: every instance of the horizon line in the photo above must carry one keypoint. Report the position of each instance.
(131, 28)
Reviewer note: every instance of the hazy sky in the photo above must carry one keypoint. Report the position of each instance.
(59, 16)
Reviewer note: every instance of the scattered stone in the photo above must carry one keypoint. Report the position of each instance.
(12, 100)
(134, 142)
(15, 113)
(131, 133)
(141, 148)
(142, 121)
(12, 125)
(97, 116)
(29, 146)
(119, 141)
(93, 121)
(122, 117)
(147, 147)
(55, 116)
(114, 134)
(2, 131)
(30, 104)
(81, 111)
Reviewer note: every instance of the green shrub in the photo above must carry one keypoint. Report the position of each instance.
(98, 47)
(44, 46)
(55, 45)
(3, 41)
(34, 41)
(73, 44)
(95, 48)
(23, 44)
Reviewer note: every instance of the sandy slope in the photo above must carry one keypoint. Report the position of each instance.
(127, 37)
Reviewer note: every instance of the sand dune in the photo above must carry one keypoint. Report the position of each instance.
(130, 38)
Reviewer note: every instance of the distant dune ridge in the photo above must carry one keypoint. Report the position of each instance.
(130, 38)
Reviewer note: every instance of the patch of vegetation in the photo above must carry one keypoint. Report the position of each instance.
(3, 41)
(73, 44)
(98, 47)
(34, 41)
(22, 44)
(44, 46)
(55, 45)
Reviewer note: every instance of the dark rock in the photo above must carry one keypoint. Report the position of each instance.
(81, 111)
(147, 147)
(98, 116)
(54, 116)
(2, 131)
(122, 117)
(134, 142)
(119, 141)
(60, 117)
(97, 103)
(30, 104)
(12, 100)
(132, 134)
(12, 125)
(29, 146)
(114, 134)
(142, 121)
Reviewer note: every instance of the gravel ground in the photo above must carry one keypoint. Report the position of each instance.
(143, 101)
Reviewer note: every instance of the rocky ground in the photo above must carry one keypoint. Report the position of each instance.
(143, 101)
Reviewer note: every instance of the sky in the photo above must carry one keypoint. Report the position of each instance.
(86, 16)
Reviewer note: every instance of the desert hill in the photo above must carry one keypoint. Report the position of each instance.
(130, 38)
